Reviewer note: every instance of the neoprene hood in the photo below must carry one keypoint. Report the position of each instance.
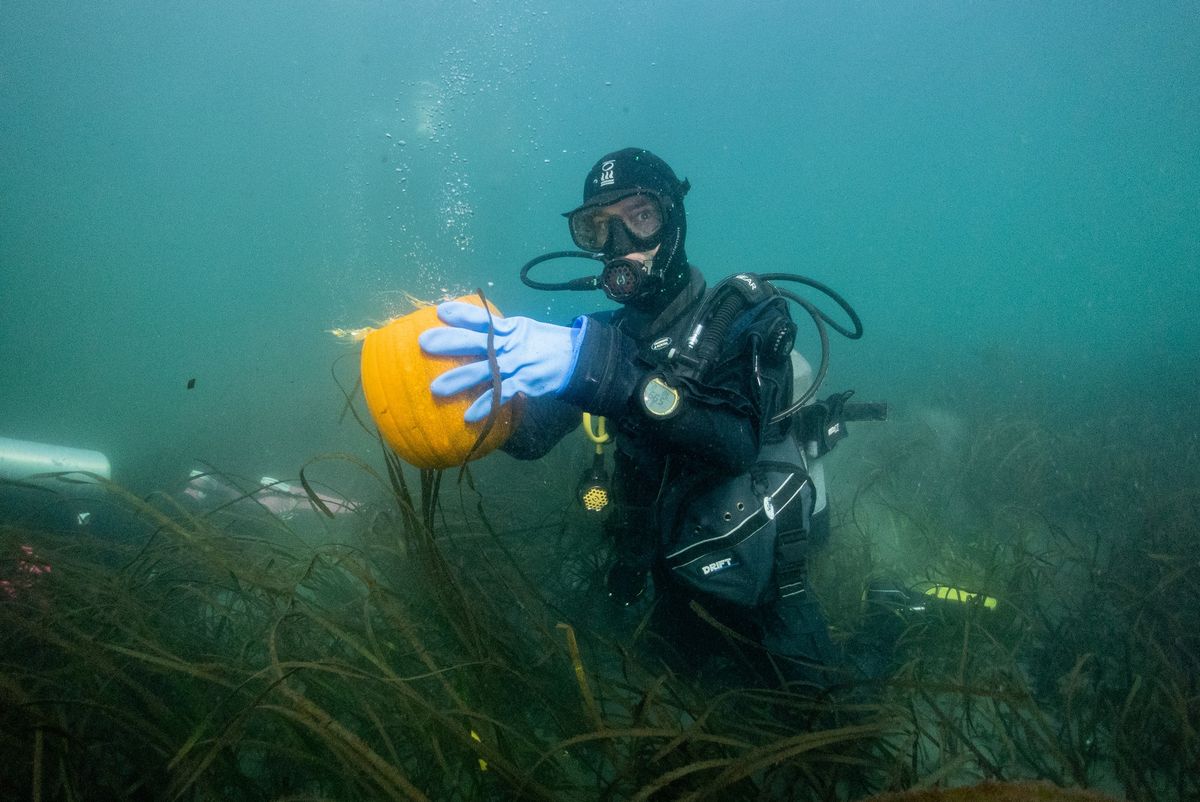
(630, 171)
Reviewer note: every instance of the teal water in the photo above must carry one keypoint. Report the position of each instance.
(1009, 193)
(1005, 191)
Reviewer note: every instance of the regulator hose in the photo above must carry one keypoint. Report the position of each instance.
(717, 327)
(817, 313)
(584, 283)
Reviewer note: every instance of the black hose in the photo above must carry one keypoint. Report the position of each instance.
(584, 283)
(839, 300)
(717, 327)
(819, 318)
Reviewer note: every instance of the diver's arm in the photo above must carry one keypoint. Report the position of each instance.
(606, 381)
(591, 365)
(544, 421)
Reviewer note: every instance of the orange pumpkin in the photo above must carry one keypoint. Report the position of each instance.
(424, 430)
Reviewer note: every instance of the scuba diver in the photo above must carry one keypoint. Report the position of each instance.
(714, 506)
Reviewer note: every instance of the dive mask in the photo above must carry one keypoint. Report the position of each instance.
(631, 223)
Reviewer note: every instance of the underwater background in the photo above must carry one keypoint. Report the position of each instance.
(1008, 193)
(202, 190)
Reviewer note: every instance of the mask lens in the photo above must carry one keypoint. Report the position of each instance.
(589, 228)
(642, 216)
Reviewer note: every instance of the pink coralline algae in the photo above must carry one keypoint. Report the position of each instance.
(27, 568)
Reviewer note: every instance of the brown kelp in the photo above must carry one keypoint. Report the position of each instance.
(450, 645)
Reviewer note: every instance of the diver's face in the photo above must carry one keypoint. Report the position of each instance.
(633, 224)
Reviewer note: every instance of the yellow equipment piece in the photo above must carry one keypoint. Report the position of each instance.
(599, 435)
(948, 593)
(483, 764)
(594, 499)
(593, 489)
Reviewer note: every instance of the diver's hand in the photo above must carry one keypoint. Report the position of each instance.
(534, 358)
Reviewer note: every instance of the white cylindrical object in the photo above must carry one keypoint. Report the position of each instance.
(802, 377)
(22, 459)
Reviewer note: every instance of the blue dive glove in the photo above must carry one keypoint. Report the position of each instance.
(535, 358)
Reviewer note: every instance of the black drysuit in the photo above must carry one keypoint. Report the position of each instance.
(723, 422)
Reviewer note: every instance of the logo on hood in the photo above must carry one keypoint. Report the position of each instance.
(606, 173)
